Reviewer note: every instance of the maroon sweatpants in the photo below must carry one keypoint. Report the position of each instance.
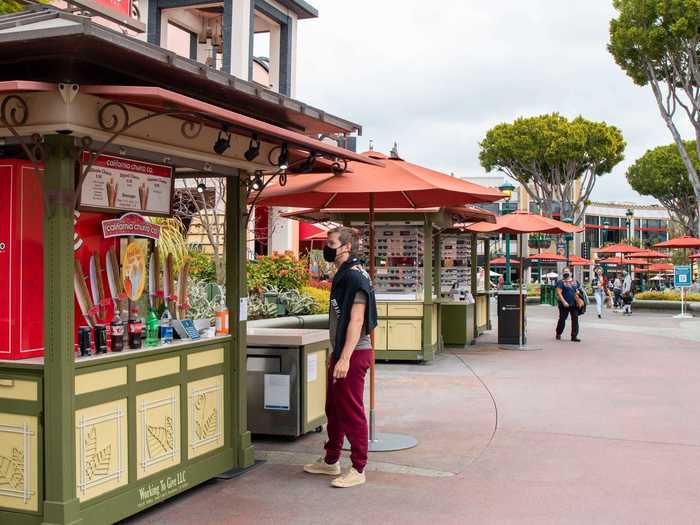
(345, 411)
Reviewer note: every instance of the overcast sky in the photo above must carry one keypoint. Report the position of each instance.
(435, 76)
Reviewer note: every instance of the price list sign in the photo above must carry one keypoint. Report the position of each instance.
(116, 184)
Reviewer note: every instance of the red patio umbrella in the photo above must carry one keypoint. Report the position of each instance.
(680, 242)
(649, 254)
(501, 261)
(619, 248)
(575, 260)
(547, 257)
(398, 184)
(661, 267)
(624, 261)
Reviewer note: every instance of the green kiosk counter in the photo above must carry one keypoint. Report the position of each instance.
(92, 434)
(464, 288)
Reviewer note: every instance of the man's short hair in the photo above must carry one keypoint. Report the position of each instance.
(345, 236)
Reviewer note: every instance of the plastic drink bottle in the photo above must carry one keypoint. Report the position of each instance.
(222, 319)
(152, 329)
(166, 327)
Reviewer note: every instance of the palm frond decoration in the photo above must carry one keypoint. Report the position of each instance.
(173, 240)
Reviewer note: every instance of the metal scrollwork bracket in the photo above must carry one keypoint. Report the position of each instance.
(113, 117)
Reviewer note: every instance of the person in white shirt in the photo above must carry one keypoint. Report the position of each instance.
(627, 293)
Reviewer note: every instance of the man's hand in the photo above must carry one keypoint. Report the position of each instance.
(341, 369)
(566, 305)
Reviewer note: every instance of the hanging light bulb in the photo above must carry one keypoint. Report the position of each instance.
(201, 187)
(283, 159)
(257, 183)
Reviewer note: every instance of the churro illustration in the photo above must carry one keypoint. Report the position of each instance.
(112, 189)
(143, 196)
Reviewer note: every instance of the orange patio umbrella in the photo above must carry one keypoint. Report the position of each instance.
(661, 267)
(680, 242)
(398, 184)
(501, 261)
(547, 257)
(625, 261)
(575, 260)
(649, 254)
(619, 248)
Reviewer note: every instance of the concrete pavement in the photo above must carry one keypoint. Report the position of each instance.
(604, 431)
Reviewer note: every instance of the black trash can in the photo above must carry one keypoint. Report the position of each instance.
(509, 317)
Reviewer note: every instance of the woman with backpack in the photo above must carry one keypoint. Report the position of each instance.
(570, 302)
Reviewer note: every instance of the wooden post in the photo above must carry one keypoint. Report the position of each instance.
(236, 288)
(428, 351)
(474, 283)
(437, 282)
(487, 281)
(61, 506)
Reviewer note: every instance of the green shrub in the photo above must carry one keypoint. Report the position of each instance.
(202, 267)
(667, 295)
(283, 271)
(321, 297)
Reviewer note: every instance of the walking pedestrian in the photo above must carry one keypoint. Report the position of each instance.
(352, 316)
(617, 291)
(600, 290)
(568, 292)
(627, 293)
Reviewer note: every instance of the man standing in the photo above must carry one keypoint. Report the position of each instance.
(627, 294)
(351, 318)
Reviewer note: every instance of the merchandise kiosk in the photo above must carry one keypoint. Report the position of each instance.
(93, 438)
(464, 287)
(408, 303)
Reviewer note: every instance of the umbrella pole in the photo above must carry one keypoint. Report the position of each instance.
(520, 291)
(373, 275)
(385, 441)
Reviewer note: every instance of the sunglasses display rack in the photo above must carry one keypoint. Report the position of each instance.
(399, 257)
(455, 255)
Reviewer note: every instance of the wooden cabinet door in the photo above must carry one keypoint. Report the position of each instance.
(380, 335)
(405, 334)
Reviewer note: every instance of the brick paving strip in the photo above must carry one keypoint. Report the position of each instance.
(277, 457)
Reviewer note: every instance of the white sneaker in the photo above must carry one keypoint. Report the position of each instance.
(350, 479)
(321, 467)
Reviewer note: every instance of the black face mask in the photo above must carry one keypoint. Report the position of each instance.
(566, 275)
(329, 254)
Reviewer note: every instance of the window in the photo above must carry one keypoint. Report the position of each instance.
(592, 237)
(592, 219)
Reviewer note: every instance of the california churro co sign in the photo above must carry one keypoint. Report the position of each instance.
(116, 184)
(130, 224)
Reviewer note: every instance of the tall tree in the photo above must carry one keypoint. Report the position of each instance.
(661, 173)
(657, 43)
(553, 158)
